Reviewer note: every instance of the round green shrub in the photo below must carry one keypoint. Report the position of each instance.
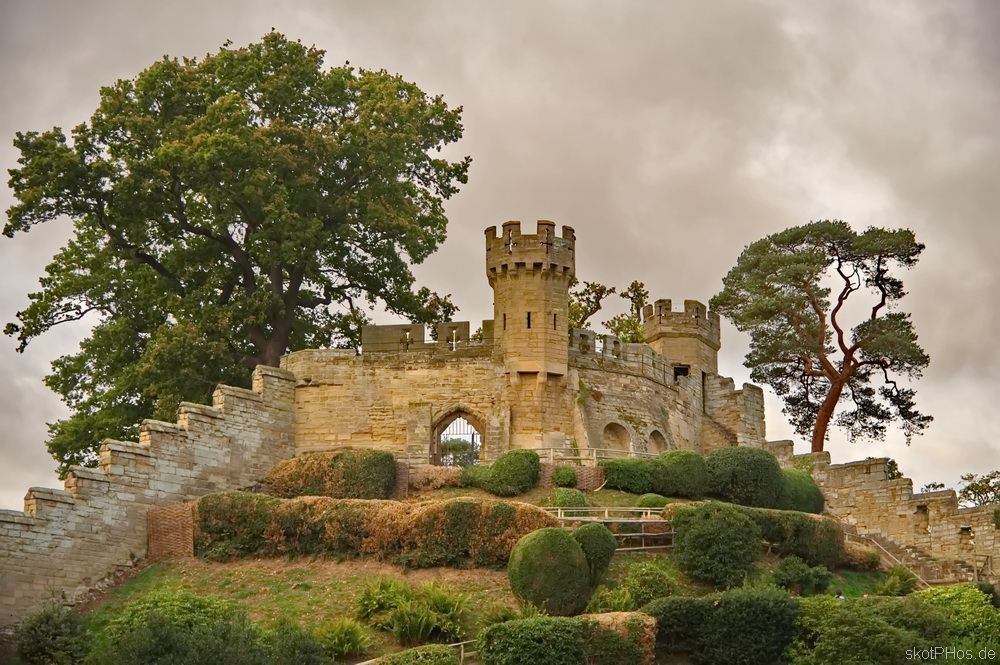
(800, 492)
(515, 472)
(681, 473)
(750, 625)
(598, 545)
(716, 543)
(628, 475)
(567, 497)
(548, 569)
(651, 501)
(564, 476)
(52, 636)
(431, 654)
(748, 476)
(793, 573)
(647, 582)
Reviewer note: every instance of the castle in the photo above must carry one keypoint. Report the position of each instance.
(527, 381)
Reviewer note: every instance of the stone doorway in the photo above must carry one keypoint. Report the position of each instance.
(458, 440)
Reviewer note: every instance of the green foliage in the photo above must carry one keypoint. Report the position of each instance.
(558, 641)
(564, 476)
(515, 472)
(750, 625)
(343, 637)
(180, 627)
(970, 613)
(996, 518)
(226, 210)
(429, 612)
(567, 497)
(681, 473)
(585, 301)
(459, 452)
(604, 599)
(800, 492)
(646, 582)
(431, 654)
(899, 582)
(471, 476)
(817, 540)
(679, 621)
(629, 475)
(832, 632)
(549, 640)
(598, 545)
(651, 501)
(779, 293)
(990, 591)
(289, 643)
(793, 573)
(499, 613)
(233, 524)
(976, 490)
(628, 327)
(381, 595)
(716, 543)
(548, 569)
(345, 474)
(53, 635)
(748, 476)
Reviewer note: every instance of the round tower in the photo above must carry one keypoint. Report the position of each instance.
(530, 276)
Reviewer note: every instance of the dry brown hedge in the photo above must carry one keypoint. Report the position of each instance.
(342, 474)
(457, 532)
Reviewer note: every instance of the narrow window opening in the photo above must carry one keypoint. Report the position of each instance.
(529, 319)
(505, 322)
(554, 326)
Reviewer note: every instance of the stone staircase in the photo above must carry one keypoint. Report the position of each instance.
(930, 571)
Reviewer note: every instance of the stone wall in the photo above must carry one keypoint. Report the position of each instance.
(68, 540)
(862, 494)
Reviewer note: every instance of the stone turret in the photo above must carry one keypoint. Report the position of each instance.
(530, 276)
(690, 337)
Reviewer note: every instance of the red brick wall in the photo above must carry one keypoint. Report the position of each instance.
(587, 477)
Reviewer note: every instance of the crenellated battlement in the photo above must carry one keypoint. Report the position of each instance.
(691, 336)
(449, 337)
(512, 252)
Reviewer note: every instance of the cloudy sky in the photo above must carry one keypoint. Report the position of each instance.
(669, 134)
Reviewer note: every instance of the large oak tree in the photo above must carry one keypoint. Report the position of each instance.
(789, 291)
(225, 210)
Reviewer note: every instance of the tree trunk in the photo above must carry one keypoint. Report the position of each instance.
(825, 414)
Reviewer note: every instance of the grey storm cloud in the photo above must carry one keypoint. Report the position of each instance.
(669, 134)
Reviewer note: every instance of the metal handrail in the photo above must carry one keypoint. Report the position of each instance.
(892, 557)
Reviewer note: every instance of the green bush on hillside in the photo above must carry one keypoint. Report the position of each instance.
(598, 545)
(651, 501)
(604, 600)
(899, 582)
(680, 473)
(793, 573)
(646, 582)
(567, 497)
(431, 654)
(749, 625)
(747, 476)
(53, 635)
(548, 569)
(515, 472)
(970, 613)
(679, 621)
(564, 476)
(343, 474)
(288, 643)
(716, 543)
(628, 475)
(800, 492)
(414, 615)
(562, 641)
(817, 540)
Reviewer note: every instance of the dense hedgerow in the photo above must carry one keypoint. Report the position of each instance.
(598, 545)
(343, 474)
(679, 621)
(53, 635)
(548, 569)
(817, 540)
(628, 475)
(515, 472)
(680, 473)
(716, 543)
(800, 492)
(457, 532)
(624, 639)
(747, 476)
(970, 613)
(793, 573)
(564, 476)
(431, 654)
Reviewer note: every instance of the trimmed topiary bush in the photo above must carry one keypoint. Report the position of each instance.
(342, 474)
(681, 473)
(794, 574)
(679, 620)
(651, 501)
(564, 476)
(800, 492)
(595, 640)
(53, 635)
(567, 497)
(431, 654)
(817, 540)
(750, 625)
(647, 582)
(628, 475)
(515, 472)
(747, 476)
(548, 569)
(598, 545)
(716, 543)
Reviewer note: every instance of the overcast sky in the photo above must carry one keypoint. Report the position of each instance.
(669, 134)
